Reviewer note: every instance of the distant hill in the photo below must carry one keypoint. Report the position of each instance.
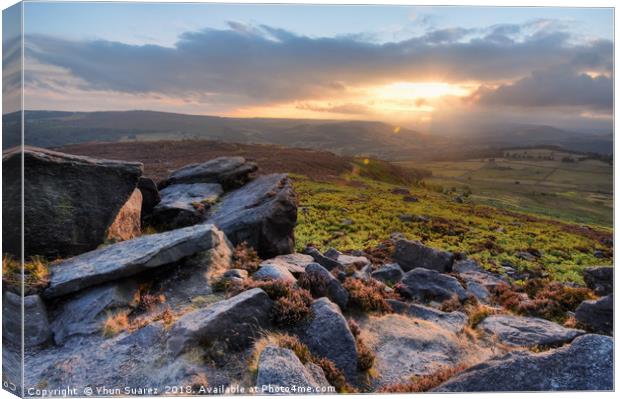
(351, 138)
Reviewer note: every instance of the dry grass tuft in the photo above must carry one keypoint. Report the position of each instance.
(36, 274)
(293, 308)
(116, 323)
(367, 296)
(425, 383)
(245, 258)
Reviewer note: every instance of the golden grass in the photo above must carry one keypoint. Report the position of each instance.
(35, 274)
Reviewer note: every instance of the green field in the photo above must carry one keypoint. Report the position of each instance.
(541, 182)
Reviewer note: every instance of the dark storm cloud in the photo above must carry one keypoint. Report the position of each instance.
(261, 63)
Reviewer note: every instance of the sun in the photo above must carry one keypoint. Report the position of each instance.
(414, 91)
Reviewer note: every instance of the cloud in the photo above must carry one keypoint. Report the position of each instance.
(260, 64)
(554, 87)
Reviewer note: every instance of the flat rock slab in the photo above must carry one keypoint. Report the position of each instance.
(185, 204)
(234, 321)
(413, 254)
(527, 331)
(328, 335)
(128, 258)
(406, 346)
(294, 263)
(451, 321)
(280, 368)
(262, 213)
(584, 365)
(430, 285)
(230, 172)
(71, 200)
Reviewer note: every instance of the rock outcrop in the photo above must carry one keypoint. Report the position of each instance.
(71, 200)
(36, 329)
(584, 365)
(328, 335)
(413, 254)
(235, 322)
(430, 285)
(262, 213)
(128, 221)
(230, 172)
(597, 314)
(128, 258)
(183, 205)
(280, 371)
(600, 279)
(527, 331)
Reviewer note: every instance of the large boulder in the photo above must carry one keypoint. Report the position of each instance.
(322, 283)
(84, 313)
(430, 285)
(328, 335)
(388, 274)
(262, 213)
(33, 320)
(150, 195)
(413, 254)
(128, 258)
(128, 222)
(597, 314)
(230, 172)
(600, 279)
(585, 365)
(281, 372)
(527, 331)
(183, 205)
(71, 200)
(235, 322)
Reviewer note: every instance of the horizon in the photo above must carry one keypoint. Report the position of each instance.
(423, 68)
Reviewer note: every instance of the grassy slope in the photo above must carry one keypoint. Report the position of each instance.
(358, 212)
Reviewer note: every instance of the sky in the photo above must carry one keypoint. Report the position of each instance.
(420, 67)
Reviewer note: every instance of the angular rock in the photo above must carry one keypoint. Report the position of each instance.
(71, 200)
(430, 285)
(413, 254)
(527, 331)
(84, 313)
(600, 279)
(325, 261)
(279, 368)
(128, 258)
(230, 172)
(451, 321)
(236, 273)
(584, 365)
(324, 284)
(328, 335)
(183, 205)
(478, 281)
(146, 337)
(235, 321)
(389, 274)
(36, 330)
(262, 213)
(274, 272)
(128, 222)
(355, 261)
(150, 195)
(294, 263)
(597, 314)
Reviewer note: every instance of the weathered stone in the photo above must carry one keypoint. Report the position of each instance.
(328, 335)
(262, 213)
(400, 191)
(600, 279)
(274, 272)
(128, 258)
(585, 365)
(324, 284)
(71, 200)
(150, 195)
(236, 273)
(185, 204)
(430, 285)
(412, 254)
(389, 274)
(279, 368)
(235, 321)
(451, 321)
(127, 224)
(323, 260)
(294, 263)
(84, 313)
(478, 282)
(230, 172)
(597, 314)
(410, 198)
(527, 331)
(36, 330)
(146, 337)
